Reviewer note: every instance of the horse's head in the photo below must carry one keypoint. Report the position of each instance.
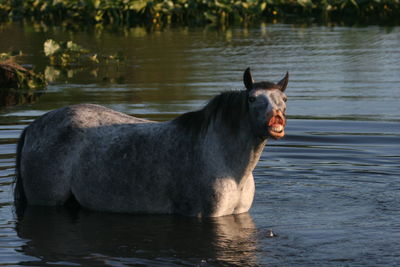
(267, 106)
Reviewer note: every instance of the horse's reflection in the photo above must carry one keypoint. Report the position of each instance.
(84, 237)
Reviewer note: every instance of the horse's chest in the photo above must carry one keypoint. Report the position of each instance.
(233, 198)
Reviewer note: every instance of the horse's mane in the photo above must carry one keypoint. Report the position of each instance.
(231, 106)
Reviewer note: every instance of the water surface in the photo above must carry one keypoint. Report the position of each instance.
(330, 189)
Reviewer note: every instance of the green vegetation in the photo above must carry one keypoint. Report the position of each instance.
(65, 59)
(70, 54)
(161, 12)
(13, 75)
(17, 84)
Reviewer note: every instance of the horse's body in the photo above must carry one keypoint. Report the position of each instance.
(199, 164)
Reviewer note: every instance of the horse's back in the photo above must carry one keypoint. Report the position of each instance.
(52, 148)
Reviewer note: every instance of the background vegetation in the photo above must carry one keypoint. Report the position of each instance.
(129, 12)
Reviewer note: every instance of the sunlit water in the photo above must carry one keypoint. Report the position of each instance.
(330, 189)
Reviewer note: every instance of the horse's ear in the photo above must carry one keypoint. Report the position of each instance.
(283, 83)
(248, 80)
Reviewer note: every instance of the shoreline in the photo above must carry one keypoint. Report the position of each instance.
(199, 13)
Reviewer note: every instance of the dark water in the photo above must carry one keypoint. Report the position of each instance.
(330, 189)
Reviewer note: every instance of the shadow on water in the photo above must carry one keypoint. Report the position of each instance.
(91, 238)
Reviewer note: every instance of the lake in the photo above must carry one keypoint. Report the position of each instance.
(330, 189)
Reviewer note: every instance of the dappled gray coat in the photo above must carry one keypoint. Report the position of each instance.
(198, 164)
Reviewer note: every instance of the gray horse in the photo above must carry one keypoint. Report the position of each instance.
(198, 164)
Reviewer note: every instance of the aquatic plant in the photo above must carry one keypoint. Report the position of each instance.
(67, 58)
(13, 75)
(64, 53)
(69, 53)
(17, 84)
(128, 12)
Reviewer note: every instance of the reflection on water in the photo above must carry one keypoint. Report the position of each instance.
(91, 238)
(329, 189)
(11, 96)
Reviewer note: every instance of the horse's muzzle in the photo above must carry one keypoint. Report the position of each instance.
(276, 123)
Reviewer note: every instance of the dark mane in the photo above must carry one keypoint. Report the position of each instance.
(231, 106)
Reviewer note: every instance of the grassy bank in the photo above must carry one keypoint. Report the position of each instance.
(130, 12)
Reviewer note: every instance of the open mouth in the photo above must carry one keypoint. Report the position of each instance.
(276, 126)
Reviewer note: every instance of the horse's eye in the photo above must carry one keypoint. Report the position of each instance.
(252, 99)
(284, 99)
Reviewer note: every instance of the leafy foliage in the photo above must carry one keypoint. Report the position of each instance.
(68, 53)
(64, 53)
(17, 84)
(68, 58)
(128, 12)
(13, 75)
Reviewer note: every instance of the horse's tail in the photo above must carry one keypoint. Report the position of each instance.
(19, 193)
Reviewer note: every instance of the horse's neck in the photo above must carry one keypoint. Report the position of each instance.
(239, 151)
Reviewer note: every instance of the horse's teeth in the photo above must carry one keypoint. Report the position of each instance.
(277, 128)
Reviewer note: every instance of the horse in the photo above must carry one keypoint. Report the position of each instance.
(197, 164)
